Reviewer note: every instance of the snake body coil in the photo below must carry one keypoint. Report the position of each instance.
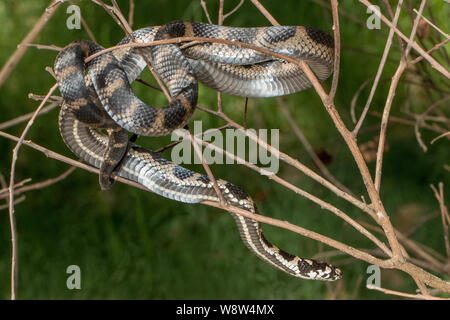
(98, 95)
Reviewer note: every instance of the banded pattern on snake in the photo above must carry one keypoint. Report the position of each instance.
(98, 95)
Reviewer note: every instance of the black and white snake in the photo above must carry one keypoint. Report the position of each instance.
(97, 95)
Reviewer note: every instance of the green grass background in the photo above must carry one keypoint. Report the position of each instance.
(131, 244)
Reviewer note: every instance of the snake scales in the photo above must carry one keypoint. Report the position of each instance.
(97, 95)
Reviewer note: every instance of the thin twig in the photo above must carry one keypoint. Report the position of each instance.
(17, 201)
(118, 17)
(54, 155)
(199, 154)
(20, 51)
(387, 108)
(5, 189)
(300, 192)
(435, 64)
(131, 13)
(266, 13)
(293, 162)
(233, 10)
(51, 47)
(433, 261)
(205, 10)
(420, 120)
(396, 257)
(408, 122)
(379, 71)
(283, 224)
(220, 22)
(397, 260)
(337, 48)
(171, 145)
(220, 15)
(309, 148)
(403, 294)
(25, 117)
(44, 184)
(445, 134)
(433, 25)
(12, 220)
(85, 26)
(444, 217)
(326, 4)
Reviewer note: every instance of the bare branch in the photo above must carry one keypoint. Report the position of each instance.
(402, 294)
(29, 38)
(387, 108)
(445, 219)
(337, 48)
(436, 65)
(12, 220)
(379, 71)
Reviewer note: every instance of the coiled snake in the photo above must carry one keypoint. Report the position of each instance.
(97, 95)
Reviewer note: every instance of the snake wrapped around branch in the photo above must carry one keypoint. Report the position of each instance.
(97, 95)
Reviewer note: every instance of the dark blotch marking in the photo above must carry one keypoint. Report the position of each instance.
(62, 59)
(126, 39)
(171, 30)
(174, 115)
(204, 179)
(259, 64)
(73, 87)
(190, 92)
(90, 46)
(121, 98)
(237, 192)
(109, 71)
(305, 267)
(266, 242)
(247, 36)
(320, 37)
(91, 114)
(287, 256)
(145, 116)
(182, 173)
(204, 30)
(279, 34)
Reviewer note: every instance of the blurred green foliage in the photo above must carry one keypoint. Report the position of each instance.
(135, 245)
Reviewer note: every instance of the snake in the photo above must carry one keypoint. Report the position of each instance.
(97, 97)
